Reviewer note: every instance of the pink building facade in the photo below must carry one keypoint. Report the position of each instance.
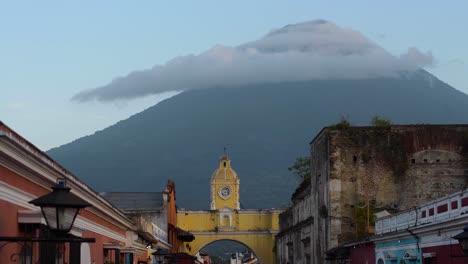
(27, 173)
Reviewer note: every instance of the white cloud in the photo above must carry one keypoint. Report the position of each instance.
(416, 57)
(312, 50)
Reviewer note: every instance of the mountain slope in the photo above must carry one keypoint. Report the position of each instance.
(264, 126)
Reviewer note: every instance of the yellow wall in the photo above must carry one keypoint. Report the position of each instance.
(226, 221)
(233, 200)
(254, 228)
(224, 176)
(243, 220)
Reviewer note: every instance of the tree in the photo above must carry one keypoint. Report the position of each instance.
(342, 125)
(301, 168)
(381, 122)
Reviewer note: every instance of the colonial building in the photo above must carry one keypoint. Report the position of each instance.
(155, 215)
(294, 240)
(358, 171)
(255, 228)
(148, 210)
(423, 234)
(176, 235)
(27, 173)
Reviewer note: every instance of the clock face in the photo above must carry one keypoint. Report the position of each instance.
(225, 192)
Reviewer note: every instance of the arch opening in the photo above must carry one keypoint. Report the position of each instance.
(226, 251)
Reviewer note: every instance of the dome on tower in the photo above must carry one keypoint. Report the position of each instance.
(224, 171)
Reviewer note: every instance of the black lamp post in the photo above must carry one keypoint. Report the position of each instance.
(60, 208)
(159, 255)
(463, 240)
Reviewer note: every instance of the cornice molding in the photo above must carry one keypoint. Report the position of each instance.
(21, 198)
(15, 157)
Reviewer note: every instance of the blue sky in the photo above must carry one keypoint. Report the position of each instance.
(51, 50)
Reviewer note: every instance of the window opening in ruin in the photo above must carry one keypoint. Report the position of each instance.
(224, 164)
(290, 252)
(298, 250)
(354, 159)
(413, 161)
(437, 160)
(306, 250)
(425, 160)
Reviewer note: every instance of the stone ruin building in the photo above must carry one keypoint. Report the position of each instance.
(359, 171)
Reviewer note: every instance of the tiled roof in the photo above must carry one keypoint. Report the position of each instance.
(135, 201)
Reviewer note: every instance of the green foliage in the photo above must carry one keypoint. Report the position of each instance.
(379, 142)
(301, 168)
(381, 122)
(342, 125)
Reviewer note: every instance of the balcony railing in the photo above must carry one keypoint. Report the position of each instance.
(159, 233)
(441, 210)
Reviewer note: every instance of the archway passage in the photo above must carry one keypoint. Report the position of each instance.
(226, 251)
(260, 243)
(254, 228)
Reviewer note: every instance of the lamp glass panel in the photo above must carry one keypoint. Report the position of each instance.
(159, 257)
(66, 217)
(50, 214)
(464, 244)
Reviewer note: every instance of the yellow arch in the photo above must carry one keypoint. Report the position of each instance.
(261, 244)
(232, 240)
(256, 229)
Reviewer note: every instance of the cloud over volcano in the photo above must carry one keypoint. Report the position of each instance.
(317, 49)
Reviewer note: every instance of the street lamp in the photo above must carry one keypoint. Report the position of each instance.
(463, 240)
(60, 207)
(159, 255)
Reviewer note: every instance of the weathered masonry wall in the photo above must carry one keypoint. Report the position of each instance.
(320, 178)
(293, 243)
(380, 168)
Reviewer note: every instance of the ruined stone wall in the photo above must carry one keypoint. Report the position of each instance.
(319, 149)
(293, 243)
(391, 169)
(356, 170)
(438, 163)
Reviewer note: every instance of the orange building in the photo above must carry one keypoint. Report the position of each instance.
(27, 173)
(176, 236)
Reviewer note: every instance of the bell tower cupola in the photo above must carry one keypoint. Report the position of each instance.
(224, 186)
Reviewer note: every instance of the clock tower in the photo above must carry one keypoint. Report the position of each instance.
(224, 186)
